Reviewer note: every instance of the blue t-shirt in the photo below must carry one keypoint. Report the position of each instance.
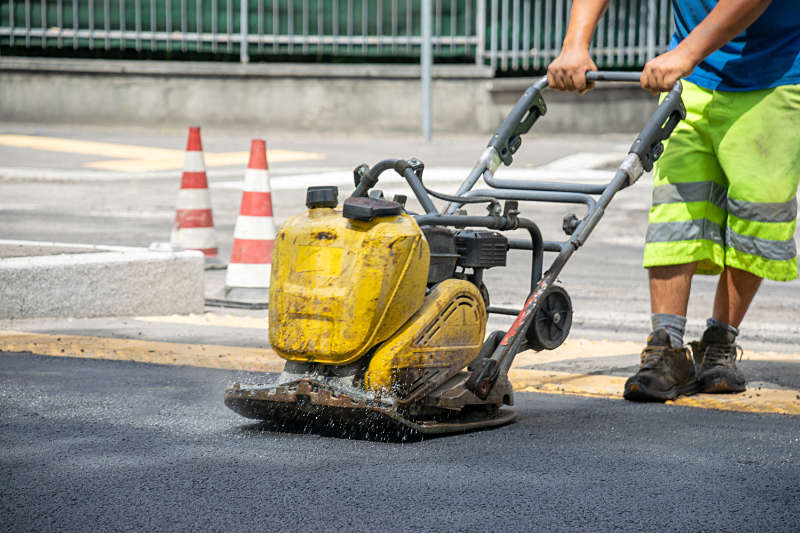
(766, 54)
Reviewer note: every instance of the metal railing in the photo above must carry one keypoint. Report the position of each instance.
(527, 34)
(505, 34)
(379, 28)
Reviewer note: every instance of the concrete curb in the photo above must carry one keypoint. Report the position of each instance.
(99, 281)
(216, 69)
(299, 97)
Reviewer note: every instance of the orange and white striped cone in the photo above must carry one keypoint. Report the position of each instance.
(248, 273)
(194, 224)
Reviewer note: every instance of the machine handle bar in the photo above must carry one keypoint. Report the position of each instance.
(613, 75)
(506, 141)
(530, 106)
(659, 127)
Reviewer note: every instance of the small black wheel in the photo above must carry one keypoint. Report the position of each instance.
(552, 321)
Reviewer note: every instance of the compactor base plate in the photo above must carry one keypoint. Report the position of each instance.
(314, 406)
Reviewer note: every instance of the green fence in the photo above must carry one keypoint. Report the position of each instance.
(506, 34)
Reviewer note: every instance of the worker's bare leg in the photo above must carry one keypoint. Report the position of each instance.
(735, 290)
(670, 287)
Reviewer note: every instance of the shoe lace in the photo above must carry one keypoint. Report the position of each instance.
(718, 353)
(652, 357)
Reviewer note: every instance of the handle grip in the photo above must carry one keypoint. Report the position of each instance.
(668, 114)
(611, 75)
(530, 106)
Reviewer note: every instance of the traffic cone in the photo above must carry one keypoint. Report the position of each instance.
(194, 225)
(248, 273)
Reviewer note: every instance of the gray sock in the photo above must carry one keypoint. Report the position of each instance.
(714, 323)
(674, 324)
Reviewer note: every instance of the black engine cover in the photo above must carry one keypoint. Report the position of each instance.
(481, 249)
(443, 253)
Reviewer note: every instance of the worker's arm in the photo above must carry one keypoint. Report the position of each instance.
(568, 71)
(728, 19)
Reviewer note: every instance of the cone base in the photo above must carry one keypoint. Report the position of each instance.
(241, 298)
(214, 263)
(257, 294)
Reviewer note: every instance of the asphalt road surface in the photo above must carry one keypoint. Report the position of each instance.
(104, 445)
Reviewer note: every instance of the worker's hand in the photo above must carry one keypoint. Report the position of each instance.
(661, 72)
(568, 71)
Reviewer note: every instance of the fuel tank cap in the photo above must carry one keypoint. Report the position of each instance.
(322, 196)
(366, 209)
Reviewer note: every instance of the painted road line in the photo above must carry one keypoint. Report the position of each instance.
(162, 353)
(777, 401)
(74, 146)
(763, 400)
(83, 175)
(136, 158)
(212, 159)
(589, 349)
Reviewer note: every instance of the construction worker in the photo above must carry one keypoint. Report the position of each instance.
(724, 195)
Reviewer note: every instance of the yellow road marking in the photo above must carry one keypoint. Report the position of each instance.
(73, 146)
(589, 349)
(136, 158)
(162, 353)
(752, 400)
(266, 360)
(603, 386)
(212, 159)
(780, 401)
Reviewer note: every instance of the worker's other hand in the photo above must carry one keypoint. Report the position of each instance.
(661, 72)
(568, 71)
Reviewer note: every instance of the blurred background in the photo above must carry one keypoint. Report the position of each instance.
(362, 55)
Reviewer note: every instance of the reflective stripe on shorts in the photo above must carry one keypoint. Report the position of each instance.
(725, 188)
(685, 230)
(702, 228)
(763, 211)
(694, 191)
(772, 250)
(708, 191)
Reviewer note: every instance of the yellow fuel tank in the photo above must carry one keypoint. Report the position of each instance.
(340, 286)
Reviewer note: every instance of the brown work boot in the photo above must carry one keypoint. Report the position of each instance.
(664, 374)
(716, 353)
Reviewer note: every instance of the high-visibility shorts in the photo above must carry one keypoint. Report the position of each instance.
(725, 189)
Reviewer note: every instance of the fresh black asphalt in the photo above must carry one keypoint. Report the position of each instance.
(104, 445)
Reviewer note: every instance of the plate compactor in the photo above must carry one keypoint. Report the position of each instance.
(381, 313)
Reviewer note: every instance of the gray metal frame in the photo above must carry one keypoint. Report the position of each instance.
(504, 143)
